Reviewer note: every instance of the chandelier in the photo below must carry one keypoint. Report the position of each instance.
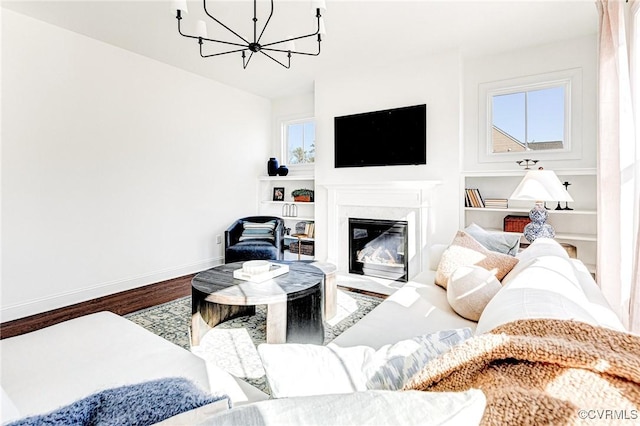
(248, 46)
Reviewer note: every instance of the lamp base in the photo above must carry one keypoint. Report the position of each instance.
(538, 228)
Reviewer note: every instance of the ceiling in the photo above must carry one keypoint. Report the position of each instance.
(360, 34)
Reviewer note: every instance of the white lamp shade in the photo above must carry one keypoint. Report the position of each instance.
(323, 30)
(541, 185)
(201, 29)
(290, 46)
(318, 4)
(179, 5)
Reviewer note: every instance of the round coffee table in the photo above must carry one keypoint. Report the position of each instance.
(294, 302)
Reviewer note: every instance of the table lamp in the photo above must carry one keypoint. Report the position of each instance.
(540, 186)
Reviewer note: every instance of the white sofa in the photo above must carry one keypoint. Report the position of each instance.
(55, 366)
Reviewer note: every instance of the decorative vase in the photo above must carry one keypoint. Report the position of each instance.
(272, 166)
(283, 170)
(302, 198)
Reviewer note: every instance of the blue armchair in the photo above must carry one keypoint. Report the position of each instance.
(254, 238)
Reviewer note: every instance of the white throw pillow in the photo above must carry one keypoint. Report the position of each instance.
(301, 370)
(469, 290)
(362, 408)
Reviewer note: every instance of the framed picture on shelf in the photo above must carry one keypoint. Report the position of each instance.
(278, 193)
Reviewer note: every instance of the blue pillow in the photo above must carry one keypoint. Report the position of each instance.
(502, 242)
(140, 404)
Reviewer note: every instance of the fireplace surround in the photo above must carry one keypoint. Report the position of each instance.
(408, 201)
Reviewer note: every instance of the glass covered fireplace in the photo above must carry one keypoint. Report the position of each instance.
(378, 248)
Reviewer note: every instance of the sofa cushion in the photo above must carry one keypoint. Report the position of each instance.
(466, 251)
(301, 369)
(502, 242)
(8, 408)
(469, 290)
(545, 284)
(419, 307)
(96, 352)
(359, 408)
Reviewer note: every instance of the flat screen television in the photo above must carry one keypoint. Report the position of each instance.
(391, 137)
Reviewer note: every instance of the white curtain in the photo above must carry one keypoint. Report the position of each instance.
(618, 160)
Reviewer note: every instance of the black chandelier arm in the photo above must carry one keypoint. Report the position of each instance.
(255, 20)
(200, 39)
(245, 64)
(220, 53)
(287, 66)
(296, 52)
(228, 29)
(299, 37)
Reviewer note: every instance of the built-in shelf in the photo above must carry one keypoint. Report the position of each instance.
(305, 210)
(523, 210)
(576, 227)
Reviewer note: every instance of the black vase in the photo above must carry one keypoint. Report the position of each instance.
(283, 170)
(272, 166)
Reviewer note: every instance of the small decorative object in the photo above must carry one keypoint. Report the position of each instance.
(527, 161)
(540, 185)
(255, 267)
(286, 210)
(283, 170)
(258, 271)
(566, 203)
(272, 166)
(278, 194)
(302, 195)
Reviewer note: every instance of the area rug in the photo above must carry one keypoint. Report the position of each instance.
(232, 344)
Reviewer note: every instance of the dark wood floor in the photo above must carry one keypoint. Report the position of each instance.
(119, 303)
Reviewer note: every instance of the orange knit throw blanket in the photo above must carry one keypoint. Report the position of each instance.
(544, 372)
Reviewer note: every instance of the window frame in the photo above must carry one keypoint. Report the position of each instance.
(284, 154)
(570, 79)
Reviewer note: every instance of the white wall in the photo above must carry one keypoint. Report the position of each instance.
(117, 170)
(579, 53)
(435, 81)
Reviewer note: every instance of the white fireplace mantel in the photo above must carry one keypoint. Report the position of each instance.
(390, 193)
(391, 200)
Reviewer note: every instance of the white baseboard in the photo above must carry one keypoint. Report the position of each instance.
(35, 306)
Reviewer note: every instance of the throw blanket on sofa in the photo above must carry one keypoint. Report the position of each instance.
(543, 371)
(140, 404)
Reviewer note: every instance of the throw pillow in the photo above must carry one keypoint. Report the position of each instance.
(361, 408)
(258, 231)
(302, 370)
(501, 242)
(466, 251)
(469, 290)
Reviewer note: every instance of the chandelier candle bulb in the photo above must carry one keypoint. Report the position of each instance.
(319, 4)
(323, 29)
(201, 29)
(179, 5)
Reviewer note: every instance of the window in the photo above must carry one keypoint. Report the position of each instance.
(529, 120)
(299, 141)
(539, 113)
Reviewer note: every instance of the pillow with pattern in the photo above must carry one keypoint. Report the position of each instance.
(304, 370)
